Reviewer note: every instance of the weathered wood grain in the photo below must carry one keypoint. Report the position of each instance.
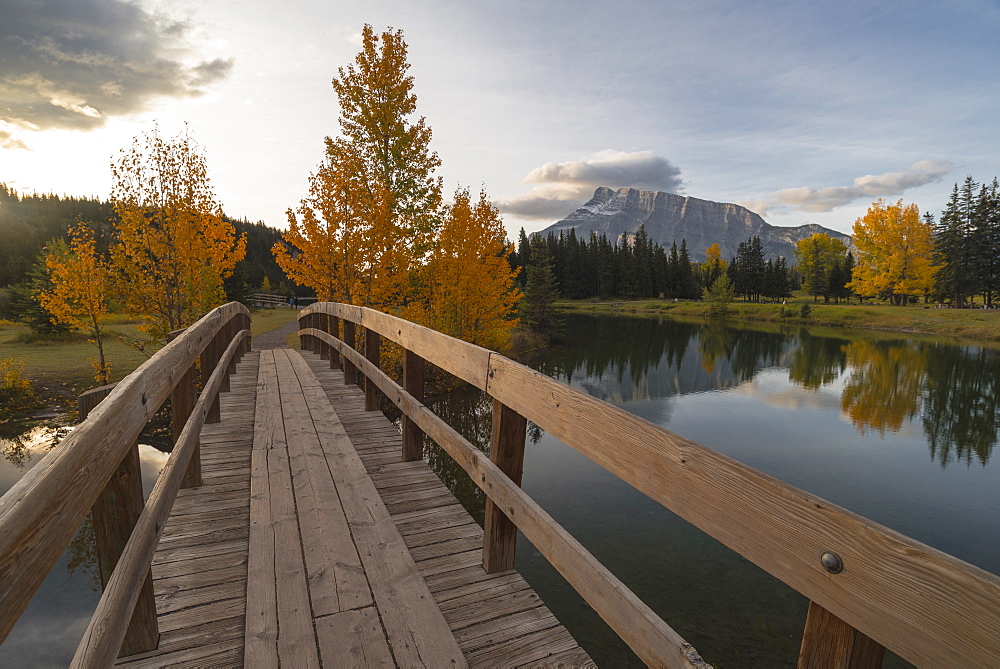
(107, 627)
(417, 630)
(928, 607)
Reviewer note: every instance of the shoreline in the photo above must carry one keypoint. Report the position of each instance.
(971, 325)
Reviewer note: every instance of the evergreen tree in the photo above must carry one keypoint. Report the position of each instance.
(687, 287)
(537, 311)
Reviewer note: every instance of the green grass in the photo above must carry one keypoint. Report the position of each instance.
(59, 367)
(265, 320)
(974, 324)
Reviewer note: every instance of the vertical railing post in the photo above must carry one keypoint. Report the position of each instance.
(373, 346)
(507, 453)
(303, 344)
(827, 641)
(245, 325)
(323, 323)
(311, 342)
(182, 400)
(413, 383)
(350, 371)
(334, 329)
(224, 338)
(114, 515)
(209, 358)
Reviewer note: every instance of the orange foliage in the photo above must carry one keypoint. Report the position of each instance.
(175, 247)
(894, 250)
(468, 285)
(81, 286)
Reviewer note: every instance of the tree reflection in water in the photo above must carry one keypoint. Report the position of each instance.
(961, 414)
(884, 385)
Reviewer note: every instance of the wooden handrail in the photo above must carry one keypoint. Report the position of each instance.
(42, 511)
(655, 642)
(107, 627)
(924, 605)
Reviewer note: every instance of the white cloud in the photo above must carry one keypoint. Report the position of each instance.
(567, 185)
(867, 187)
(75, 63)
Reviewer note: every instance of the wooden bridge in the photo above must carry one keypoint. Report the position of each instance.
(294, 525)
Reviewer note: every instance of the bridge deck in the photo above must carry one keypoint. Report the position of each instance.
(311, 544)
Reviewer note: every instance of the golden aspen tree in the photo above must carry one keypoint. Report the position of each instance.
(468, 282)
(376, 105)
(373, 208)
(341, 241)
(81, 290)
(174, 246)
(894, 250)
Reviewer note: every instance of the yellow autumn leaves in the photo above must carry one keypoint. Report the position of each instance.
(171, 253)
(373, 230)
(894, 249)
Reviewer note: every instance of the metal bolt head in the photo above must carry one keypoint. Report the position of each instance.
(832, 562)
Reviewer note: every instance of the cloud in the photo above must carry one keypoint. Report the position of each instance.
(8, 141)
(866, 187)
(72, 64)
(565, 186)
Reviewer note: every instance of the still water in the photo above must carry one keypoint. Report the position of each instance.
(901, 430)
(50, 629)
(898, 429)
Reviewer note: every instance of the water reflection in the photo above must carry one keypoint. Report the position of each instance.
(884, 385)
(49, 630)
(883, 388)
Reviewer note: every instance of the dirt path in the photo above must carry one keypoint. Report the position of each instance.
(274, 338)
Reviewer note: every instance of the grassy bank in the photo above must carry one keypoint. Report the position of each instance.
(59, 367)
(977, 324)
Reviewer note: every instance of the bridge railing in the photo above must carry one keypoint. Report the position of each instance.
(870, 588)
(97, 467)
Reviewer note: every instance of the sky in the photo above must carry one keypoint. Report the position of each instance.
(804, 112)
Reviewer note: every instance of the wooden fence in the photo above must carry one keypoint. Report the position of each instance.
(97, 466)
(869, 587)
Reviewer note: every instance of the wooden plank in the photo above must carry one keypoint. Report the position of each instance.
(170, 601)
(417, 630)
(196, 615)
(261, 648)
(353, 638)
(334, 573)
(491, 632)
(828, 641)
(296, 643)
(200, 578)
(925, 605)
(198, 565)
(646, 634)
(449, 547)
(220, 654)
(531, 649)
(476, 610)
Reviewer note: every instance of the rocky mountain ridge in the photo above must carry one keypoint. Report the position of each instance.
(669, 217)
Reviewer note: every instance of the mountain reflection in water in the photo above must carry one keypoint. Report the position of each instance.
(899, 429)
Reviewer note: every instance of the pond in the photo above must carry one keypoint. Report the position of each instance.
(898, 429)
(50, 629)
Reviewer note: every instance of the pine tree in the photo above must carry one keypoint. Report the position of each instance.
(541, 290)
